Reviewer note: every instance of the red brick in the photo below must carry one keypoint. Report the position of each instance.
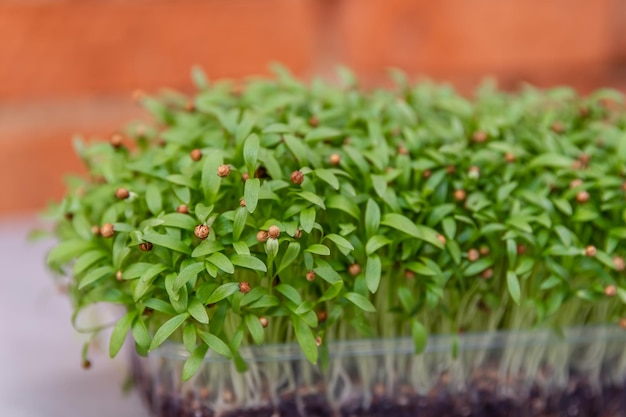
(450, 38)
(76, 46)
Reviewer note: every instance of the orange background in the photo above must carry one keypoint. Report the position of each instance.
(69, 66)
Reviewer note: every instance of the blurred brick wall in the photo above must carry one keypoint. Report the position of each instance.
(69, 66)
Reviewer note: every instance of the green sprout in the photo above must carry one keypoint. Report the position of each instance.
(290, 212)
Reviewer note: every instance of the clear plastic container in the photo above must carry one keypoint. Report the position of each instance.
(578, 372)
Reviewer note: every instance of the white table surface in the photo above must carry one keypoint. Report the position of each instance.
(40, 372)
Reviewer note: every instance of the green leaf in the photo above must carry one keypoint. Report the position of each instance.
(241, 215)
(153, 199)
(372, 217)
(96, 275)
(136, 270)
(160, 306)
(318, 249)
(420, 337)
(141, 334)
(290, 292)
(223, 291)
(120, 332)
(513, 284)
(297, 148)
(255, 328)
(198, 311)
(182, 221)
(68, 250)
(552, 160)
(292, 252)
(187, 274)
(248, 261)
(206, 247)
(477, 267)
(327, 272)
(203, 212)
(341, 242)
(194, 361)
(361, 302)
(312, 198)
(251, 193)
(305, 338)
(251, 153)
(86, 260)
(405, 225)
(166, 241)
(210, 180)
(380, 185)
(343, 203)
(166, 330)
(322, 133)
(215, 343)
(328, 176)
(307, 219)
(332, 292)
(373, 273)
(376, 242)
(222, 262)
(189, 336)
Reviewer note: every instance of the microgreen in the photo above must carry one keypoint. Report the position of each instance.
(292, 213)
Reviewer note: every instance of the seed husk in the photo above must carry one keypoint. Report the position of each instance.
(262, 236)
(122, 193)
(202, 231)
(196, 155)
(297, 177)
(223, 171)
(107, 230)
(244, 287)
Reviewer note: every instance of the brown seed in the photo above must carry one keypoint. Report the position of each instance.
(264, 322)
(322, 316)
(624, 186)
(441, 238)
(242, 203)
(148, 311)
(204, 392)
(223, 171)
(122, 193)
(145, 246)
(450, 169)
(334, 159)
(582, 197)
(182, 209)
(484, 250)
(619, 263)
(557, 127)
(298, 234)
(244, 287)
(509, 157)
(427, 173)
(487, 273)
(116, 140)
(107, 230)
(576, 183)
(622, 323)
(196, 155)
(459, 195)
(583, 111)
(273, 232)
(318, 341)
(297, 177)
(577, 164)
(521, 249)
(262, 236)
(118, 276)
(590, 250)
(354, 269)
(86, 364)
(479, 136)
(261, 172)
(473, 255)
(584, 158)
(95, 230)
(408, 274)
(190, 106)
(402, 150)
(310, 276)
(610, 290)
(211, 305)
(69, 216)
(202, 231)
(314, 121)
(245, 177)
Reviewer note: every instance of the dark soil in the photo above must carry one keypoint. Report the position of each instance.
(578, 399)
